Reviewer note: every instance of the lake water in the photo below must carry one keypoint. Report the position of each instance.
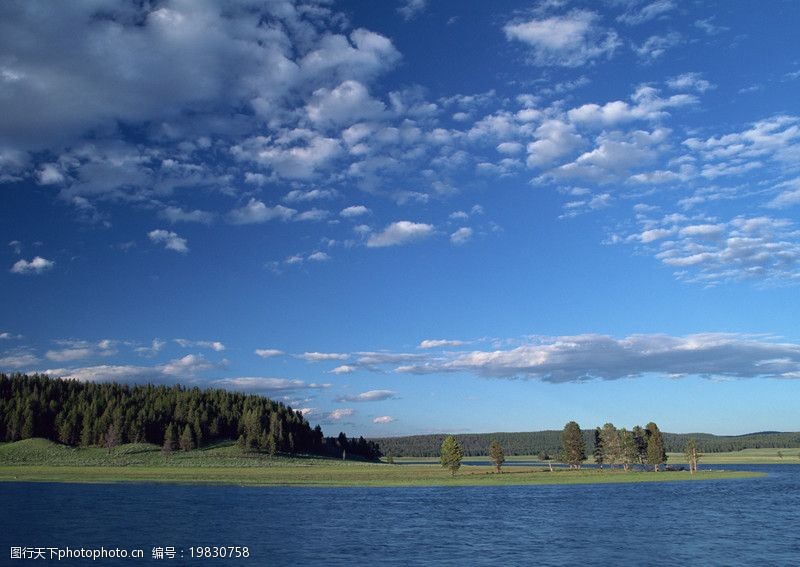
(729, 522)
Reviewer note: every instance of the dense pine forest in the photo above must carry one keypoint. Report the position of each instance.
(549, 442)
(85, 414)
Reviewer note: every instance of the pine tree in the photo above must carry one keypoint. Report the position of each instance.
(597, 453)
(170, 439)
(573, 447)
(187, 438)
(629, 454)
(611, 448)
(656, 453)
(496, 455)
(451, 454)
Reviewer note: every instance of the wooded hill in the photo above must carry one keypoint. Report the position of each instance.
(536, 442)
(84, 414)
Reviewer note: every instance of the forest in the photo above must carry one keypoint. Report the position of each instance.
(549, 442)
(175, 417)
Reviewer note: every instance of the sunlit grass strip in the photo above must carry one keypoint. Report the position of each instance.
(356, 475)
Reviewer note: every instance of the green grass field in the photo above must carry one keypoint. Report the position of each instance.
(44, 461)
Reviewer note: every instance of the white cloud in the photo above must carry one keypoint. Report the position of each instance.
(400, 232)
(789, 195)
(354, 211)
(212, 345)
(339, 414)
(343, 369)
(268, 352)
(262, 384)
(322, 356)
(569, 41)
(437, 343)
(409, 9)
(313, 215)
(256, 211)
(69, 354)
(170, 240)
(584, 357)
(155, 347)
(690, 81)
(319, 257)
(636, 16)
(299, 195)
(555, 139)
(383, 419)
(657, 45)
(176, 214)
(49, 174)
(38, 265)
(461, 236)
(294, 154)
(370, 396)
(187, 366)
(18, 360)
(16, 246)
(349, 102)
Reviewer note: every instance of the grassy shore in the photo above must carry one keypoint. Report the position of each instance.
(43, 461)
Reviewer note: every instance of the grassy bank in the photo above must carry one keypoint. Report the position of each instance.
(40, 460)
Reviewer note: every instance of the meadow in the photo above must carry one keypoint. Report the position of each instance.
(39, 460)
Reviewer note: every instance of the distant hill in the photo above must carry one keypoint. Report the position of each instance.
(535, 442)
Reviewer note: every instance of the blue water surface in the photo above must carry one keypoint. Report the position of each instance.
(726, 522)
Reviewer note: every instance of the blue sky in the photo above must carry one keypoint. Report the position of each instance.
(407, 217)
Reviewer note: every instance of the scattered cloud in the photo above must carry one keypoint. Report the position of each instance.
(354, 211)
(571, 40)
(212, 345)
(322, 356)
(38, 265)
(170, 240)
(400, 232)
(344, 369)
(586, 357)
(256, 211)
(268, 352)
(383, 419)
(461, 236)
(340, 414)
(19, 359)
(262, 384)
(370, 396)
(639, 15)
(176, 214)
(409, 9)
(438, 343)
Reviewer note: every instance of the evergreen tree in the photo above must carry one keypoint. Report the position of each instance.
(611, 446)
(656, 453)
(451, 454)
(170, 439)
(496, 455)
(187, 438)
(629, 453)
(693, 455)
(597, 452)
(640, 441)
(573, 447)
(111, 438)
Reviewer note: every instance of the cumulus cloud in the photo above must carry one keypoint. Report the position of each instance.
(38, 265)
(187, 366)
(585, 357)
(400, 232)
(409, 9)
(212, 345)
(176, 214)
(639, 15)
(571, 40)
(262, 384)
(354, 211)
(344, 369)
(268, 352)
(370, 396)
(383, 419)
(18, 359)
(322, 356)
(438, 343)
(299, 195)
(256, 211)
(170, 240)
(340, 414)
(461, 236)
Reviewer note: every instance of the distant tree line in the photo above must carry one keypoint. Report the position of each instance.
(85, 414)
(549, 442)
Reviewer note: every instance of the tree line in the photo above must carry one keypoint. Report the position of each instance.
(549, 442)
(88, 414)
